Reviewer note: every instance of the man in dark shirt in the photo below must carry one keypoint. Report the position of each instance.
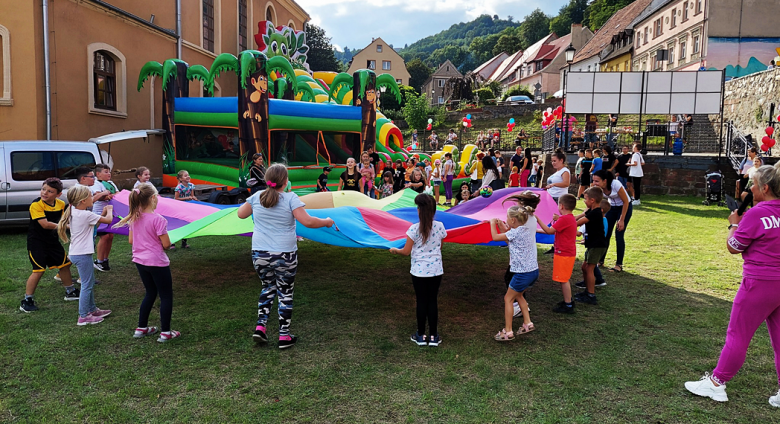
(591, 123)
(613, 120)
(621, 169)
(373, 158)
(609, 160)
(517, 160)
(398, 176)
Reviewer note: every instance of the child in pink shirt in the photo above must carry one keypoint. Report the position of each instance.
(149, 237)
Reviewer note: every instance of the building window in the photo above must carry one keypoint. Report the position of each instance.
(208, 25)
(685, 12)
(441, 82)
(671, 56)
(385, 65)
(696, 44)
(104, 78)
(242, 15)
(658, 28)
(682, 51)
(647, 34)
(5, 67)
(379, 48)
(699, 6)
(441, 99)
(270, 14)
(371, 64)
(626, 66)
(398, 81)
(673, 22)
(106, 81)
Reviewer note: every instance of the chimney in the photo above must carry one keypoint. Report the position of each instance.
(576, 36)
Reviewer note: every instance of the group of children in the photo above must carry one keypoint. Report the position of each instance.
(52, 221)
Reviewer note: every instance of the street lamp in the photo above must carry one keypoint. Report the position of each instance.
(569, 52)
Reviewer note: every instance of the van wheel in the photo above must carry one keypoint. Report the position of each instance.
(223, 199)
(240, 199)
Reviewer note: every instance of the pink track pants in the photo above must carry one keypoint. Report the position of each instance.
(756, 301)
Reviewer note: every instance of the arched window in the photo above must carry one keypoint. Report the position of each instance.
(5, 67)
(104, 80)
(291, 24)
(107, 77)
(270, 13)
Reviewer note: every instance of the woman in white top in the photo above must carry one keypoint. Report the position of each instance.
(619, 213)
(491, 171)
(635, 175)
(558, 183)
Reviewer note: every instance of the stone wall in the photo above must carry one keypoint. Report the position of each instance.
(673, 175)
(747, 100)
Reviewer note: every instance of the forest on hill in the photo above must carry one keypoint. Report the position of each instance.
(469, 44)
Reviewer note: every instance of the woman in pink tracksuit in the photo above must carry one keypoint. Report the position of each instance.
(756, 235)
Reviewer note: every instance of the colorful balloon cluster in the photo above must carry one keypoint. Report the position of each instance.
(467, 121)
(510, 125)
(550, 115)
(430, 124)
(768, 141)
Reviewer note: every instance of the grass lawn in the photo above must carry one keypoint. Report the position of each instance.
(660, 323)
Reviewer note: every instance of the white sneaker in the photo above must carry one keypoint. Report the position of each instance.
(775, 400)
(636, 202)
(518, 312)
(705, 387)
(57, 277)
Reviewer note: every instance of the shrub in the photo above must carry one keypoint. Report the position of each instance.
(518, 90)
(485, 94)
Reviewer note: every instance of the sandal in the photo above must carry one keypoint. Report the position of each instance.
(142, 332)
(164, 337)
(617, 268)
(526, 328)
(503, 336)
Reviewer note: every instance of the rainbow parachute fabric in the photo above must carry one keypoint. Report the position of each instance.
(360, 221)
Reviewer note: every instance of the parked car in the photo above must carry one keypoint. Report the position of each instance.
(24, 165)
(518, 100)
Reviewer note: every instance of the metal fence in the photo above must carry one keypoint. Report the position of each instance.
(505, 142)
(737, 144)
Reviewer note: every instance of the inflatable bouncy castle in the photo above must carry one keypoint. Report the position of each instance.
(306, 120)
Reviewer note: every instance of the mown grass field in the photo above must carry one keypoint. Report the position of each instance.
(658, 324)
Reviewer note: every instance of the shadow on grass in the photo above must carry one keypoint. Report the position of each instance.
(622, 361)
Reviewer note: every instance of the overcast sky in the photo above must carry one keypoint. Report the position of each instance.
(353, 23)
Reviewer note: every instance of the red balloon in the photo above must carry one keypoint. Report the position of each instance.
(764, 147)
(769, 131)
(765, 139)
(429, 127)
(770, 143)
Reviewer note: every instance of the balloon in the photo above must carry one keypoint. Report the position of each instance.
(764, 147)
(511, 120)
(765, 139)
(465, 123)
(430, 121)
(549, 110)
(429, 127)
(468, 116)
(770, 143)
(769, 131)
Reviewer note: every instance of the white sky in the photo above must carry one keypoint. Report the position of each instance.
(352, 23)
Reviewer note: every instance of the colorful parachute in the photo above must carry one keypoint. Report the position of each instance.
(361, 222)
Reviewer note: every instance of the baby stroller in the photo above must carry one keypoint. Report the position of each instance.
(714, 189)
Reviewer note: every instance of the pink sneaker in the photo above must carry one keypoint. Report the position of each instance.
(165, 336)
(101, 313)
(141, 332)
(89, 319)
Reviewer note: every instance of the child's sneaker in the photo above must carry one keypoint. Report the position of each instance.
(586, 297)
(165, 336)
(705, 387)
(143, 332)
(73, 295)
(100, 313)
(581, 284)
(418, 339)
(101, 266)
(434, 341)
(28, 305)
(775, 400)
(259, 335)
(89, 319)
(287, 341)
(57, 277)
(564, 308)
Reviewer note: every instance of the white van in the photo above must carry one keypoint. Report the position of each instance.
(25, 165)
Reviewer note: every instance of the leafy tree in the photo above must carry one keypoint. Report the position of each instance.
(457, 55)
(345, 56)
(416, 110)
(321, 56)
(388, 101)
(484, 94)
(419, 72)
(601, 10)
(494, 87)
(535, 27)
(509, 43)
(518, 90)
(574, 12)
(482, 47)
